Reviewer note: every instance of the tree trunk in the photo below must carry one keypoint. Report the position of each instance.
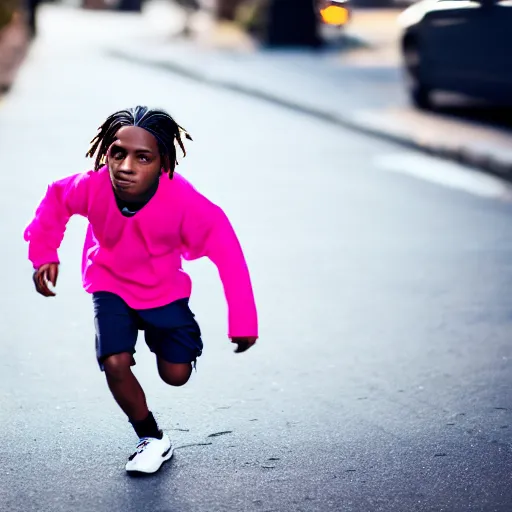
(94, 4)
(226, 9)
(32, 8)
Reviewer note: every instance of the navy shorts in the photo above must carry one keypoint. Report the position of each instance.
(170, 331)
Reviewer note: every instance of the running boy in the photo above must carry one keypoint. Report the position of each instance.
(143, 219)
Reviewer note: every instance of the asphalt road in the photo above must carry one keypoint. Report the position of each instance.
(382, 380)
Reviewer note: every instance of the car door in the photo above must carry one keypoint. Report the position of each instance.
(499, 51)
(450, 39)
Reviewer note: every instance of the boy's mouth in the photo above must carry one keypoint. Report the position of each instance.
(123, 182)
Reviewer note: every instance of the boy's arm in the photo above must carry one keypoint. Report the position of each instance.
(206, 231)
(45, 232)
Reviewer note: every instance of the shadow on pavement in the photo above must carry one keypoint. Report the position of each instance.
(492, 116)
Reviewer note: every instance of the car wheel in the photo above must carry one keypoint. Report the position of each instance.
(419, 93)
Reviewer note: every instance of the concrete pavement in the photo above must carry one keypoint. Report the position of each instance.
(382, 378)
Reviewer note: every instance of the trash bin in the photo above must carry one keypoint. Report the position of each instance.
(130, 5)
(292, 23)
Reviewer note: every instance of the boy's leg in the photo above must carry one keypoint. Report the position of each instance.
(174, 374)
(116, 336)
(173, 334)
(124, 386)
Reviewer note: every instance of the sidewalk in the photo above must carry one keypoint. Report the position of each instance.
(379, 30)
(358, 89)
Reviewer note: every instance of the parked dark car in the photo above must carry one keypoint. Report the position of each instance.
(459, 46)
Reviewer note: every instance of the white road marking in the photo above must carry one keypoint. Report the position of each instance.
(445, 173)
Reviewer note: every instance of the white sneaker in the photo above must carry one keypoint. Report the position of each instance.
(150, 454)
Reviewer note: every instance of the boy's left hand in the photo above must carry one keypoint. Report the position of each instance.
(244, 343)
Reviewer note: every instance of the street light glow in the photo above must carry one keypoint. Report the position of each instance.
(334, 15)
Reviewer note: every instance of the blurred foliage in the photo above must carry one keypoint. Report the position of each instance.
(7, 10)
(226, 9)
(251, 15)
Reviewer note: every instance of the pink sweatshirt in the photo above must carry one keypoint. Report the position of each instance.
(139, 258)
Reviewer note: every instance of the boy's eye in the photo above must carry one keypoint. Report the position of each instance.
(117, 155)
(144, 158)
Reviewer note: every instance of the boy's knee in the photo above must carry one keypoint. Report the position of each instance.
(175, 377)
(175, 380)
(118, 365)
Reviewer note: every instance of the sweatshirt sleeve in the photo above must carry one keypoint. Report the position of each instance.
(45, 232)
(206, 231)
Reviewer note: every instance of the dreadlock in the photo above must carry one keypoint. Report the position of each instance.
(157, 122)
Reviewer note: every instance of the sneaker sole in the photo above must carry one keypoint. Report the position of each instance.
(165, 457)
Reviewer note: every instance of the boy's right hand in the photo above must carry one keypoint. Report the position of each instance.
(43, 275)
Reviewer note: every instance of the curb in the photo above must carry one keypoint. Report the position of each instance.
(463, 155)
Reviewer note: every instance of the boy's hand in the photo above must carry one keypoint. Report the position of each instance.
(43, 275)
(244, 343)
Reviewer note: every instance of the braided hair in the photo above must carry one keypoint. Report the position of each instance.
(157, 122)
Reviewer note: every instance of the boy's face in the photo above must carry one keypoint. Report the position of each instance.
(134, 162)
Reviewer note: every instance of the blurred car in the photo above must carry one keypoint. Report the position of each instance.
(335, 12)
(461, 46)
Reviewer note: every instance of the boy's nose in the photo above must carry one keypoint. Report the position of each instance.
(126, 166)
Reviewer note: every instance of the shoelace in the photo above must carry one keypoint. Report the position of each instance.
(141, 446)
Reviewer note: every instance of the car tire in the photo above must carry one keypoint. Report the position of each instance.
(419, 93)
(421, 96)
